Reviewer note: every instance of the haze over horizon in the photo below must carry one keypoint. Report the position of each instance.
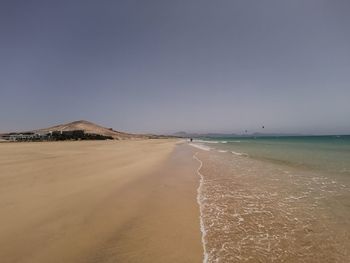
(169, 66)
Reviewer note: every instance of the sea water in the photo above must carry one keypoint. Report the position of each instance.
(275, 199)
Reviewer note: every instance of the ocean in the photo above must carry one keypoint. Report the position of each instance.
(275, 199)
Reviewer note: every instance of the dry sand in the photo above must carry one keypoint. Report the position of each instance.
(127, 201)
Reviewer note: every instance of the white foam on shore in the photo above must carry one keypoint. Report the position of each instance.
(240, 154)
(210, 141)
(199, 191)
(222, 151)
(204, 141)
(199, 146)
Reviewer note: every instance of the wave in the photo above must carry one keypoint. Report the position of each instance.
(204, 141)
(238, 153)
(210, 141)
(199, 146)
(216, 142)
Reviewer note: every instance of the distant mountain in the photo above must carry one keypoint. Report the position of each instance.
(92, 128)
(181, 134)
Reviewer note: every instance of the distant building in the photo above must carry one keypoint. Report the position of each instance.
(26, 136)
(54, 136)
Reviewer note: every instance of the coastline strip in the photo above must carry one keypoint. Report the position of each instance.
(199, 190)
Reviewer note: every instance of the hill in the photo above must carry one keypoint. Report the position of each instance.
(91, 128)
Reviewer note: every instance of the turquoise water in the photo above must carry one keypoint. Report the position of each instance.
(275, 199)
(326, 153)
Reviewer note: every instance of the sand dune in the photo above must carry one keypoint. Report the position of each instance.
(90, 127)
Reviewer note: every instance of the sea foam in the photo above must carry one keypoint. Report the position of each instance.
(200, 146)
(200, 204)
(238, 153)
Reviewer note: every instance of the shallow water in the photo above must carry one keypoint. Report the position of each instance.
(256, 210)
(325, 153)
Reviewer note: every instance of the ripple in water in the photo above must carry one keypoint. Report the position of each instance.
(253, 211)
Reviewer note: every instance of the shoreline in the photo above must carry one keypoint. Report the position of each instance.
(255, 210)
(199, 189)
(125, 201)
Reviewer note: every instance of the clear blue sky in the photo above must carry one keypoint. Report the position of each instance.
(167, 66)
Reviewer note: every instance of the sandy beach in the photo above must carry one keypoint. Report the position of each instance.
(108, 201)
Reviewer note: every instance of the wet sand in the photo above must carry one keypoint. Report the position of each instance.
(116, 201)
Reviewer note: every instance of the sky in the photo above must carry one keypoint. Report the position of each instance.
(167, 66)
